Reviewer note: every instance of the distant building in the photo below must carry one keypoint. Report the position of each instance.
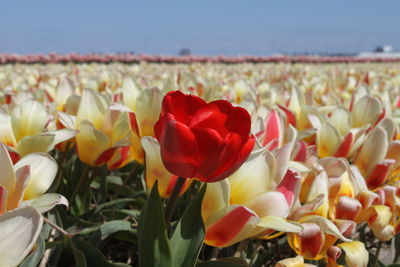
(384, 51)
(184, 51)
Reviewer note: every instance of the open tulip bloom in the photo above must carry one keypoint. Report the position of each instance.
(22, 199)
(24, 131)
(206, 141)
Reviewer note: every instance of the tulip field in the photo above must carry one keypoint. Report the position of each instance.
(199, 163)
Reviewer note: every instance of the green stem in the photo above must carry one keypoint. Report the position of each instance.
(57, 180)
(80, 182)
(172, 199)
(378, 249)
(278, 248)
(55, 226)
(128, 178)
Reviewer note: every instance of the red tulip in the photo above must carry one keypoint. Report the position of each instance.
(207, 141)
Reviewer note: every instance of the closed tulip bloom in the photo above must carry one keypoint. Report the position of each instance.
(207, 141)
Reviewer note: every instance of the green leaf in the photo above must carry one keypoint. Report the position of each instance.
(154, 248)
(80, 258)
(189, 233)
(121, 201)
(127, 236)
(108, 229)
(86, 255)
(227, 262)
(34, 258)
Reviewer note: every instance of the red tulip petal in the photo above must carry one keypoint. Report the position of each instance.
(244, 154)
(347, 208)
(333, 253)
(178, 146)
(312, 240)
(300, 152)
(105, 156)
(346, 227)
(209, 147)
(239, 122)
(379, 173)
(3, 200)
(133, 123)
(229, 153)
(182, 106)
(367, 198)
(214, 115)
(228, 227)
(172, 183)
(14, 156)
(291, 118)
(273, 129)
(289, 185)
(390, 196)
(123, 155)
(345, 146)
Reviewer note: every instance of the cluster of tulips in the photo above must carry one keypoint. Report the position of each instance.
(136, 58)
(188, 164)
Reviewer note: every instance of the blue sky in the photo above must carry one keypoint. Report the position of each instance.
(206, 27)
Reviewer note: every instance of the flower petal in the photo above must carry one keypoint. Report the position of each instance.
(7, 177)
(61, 136)
(326, 226)
(280, 224)
(90, 142)
(341, 120)
(19, 230)
(345, 146)
(373, 151)
(290, 186)
(366, 111)
(269, 203)
(93, 107)
(297, 261)
(3, 200)
(130, 91)
(155, 170)
(67, 120)
(356, 254)
(28, 118)
(43, 170)
(181, 106)
(46, 202)
(230, 225)
(216, 198)
(347, 208)
(311, 240)
(178, 146)
(22, 178)
(148, 108)
(252, 178)
(328, 140)
(209, 150)
(7, 135)
(273, 130)
(379, 173)
(229, 168)
(35, 143)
